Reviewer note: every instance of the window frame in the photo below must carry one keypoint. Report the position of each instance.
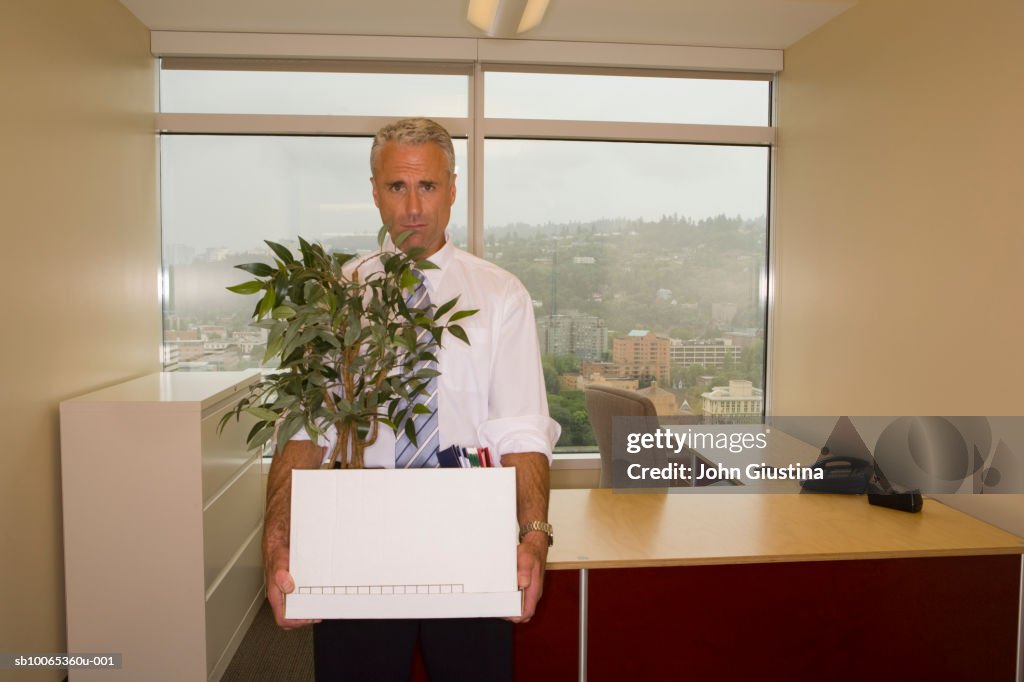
(474, 59)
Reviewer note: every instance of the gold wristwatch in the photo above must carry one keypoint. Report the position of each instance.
(542, 526)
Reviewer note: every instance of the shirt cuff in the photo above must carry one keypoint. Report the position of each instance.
(531, 433)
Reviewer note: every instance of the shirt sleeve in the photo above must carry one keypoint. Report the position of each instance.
(518, 419)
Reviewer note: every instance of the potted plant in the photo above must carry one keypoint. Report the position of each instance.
(346, 340)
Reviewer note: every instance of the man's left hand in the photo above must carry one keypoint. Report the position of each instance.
(532, 555)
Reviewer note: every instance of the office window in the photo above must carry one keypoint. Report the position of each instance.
(615, 238)
(630, 247)
(234, 91)
(222, 195)
(642, 241)
(646, 99)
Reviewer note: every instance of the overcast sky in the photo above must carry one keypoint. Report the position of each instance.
(233, 191)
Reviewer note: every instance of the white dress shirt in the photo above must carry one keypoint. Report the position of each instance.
(491, 392)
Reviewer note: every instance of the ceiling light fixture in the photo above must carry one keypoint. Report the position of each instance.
(506, 18)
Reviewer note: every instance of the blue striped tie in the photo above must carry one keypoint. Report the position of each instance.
(423, 453)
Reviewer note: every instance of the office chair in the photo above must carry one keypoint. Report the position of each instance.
(604, 403)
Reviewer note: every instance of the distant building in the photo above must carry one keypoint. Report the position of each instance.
(589, 337)
(209, 332)
(591, 367)
(737, 402)
(597, 379)
(555, 334)
(186, 350)
(705, 352)
(744, 338)
(642, 354)
(664, 401)
(573, 333)
(169, 357)
(181, 335)
(193, 355)
(248, 340)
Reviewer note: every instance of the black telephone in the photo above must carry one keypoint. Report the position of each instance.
(850, 475)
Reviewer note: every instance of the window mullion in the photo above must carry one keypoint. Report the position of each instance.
(544, 129)
(476, 163)
(287, 124)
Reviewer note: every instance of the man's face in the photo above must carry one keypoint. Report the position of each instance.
(414, 192)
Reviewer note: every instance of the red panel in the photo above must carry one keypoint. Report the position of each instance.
(547, 647)
(901, 619)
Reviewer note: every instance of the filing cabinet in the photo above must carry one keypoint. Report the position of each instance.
(162, 524)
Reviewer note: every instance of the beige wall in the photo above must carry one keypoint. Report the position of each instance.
(79, 267)
(899, 225)
(900, 206)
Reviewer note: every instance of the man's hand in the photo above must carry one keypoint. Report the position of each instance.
(277, 525)
(280, 583)
(531, 558)
(532, 485)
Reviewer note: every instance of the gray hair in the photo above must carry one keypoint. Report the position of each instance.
(414, 131)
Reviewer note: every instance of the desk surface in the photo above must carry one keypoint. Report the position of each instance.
(604, 529)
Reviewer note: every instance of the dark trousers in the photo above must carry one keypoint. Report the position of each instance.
(454, 650)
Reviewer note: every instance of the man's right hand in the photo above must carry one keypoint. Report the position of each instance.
(277, 525)
(280, 583)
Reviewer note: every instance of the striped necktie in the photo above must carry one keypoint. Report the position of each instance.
(423, 453)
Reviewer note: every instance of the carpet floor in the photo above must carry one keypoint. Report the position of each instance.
(269, 653)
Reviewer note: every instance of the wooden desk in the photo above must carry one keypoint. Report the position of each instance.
(712, 586)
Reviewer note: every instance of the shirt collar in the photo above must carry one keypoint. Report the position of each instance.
(441, 259)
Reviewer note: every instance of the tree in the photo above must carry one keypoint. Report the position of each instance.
(339, 336)
(551, 382)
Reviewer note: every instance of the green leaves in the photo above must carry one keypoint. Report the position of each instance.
(459, 333)
(340, 339)
(262, 413)
(258, 269)
(247, 288)
(445, 307)
(462, 314)
(282, 312)
(282, 252)
(402, 237)
(266, 304)
(409, 280)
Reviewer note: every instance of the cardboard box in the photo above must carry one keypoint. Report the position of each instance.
(418, 543)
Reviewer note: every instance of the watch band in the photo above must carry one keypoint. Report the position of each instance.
(542, 526)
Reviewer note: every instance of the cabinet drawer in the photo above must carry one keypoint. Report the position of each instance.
(230, 601)
(230, 518)
(223, 453)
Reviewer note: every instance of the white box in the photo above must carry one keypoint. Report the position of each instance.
(414, 543)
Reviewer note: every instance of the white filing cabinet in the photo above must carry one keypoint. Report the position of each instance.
(162, 525)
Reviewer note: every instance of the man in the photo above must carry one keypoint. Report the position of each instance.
(491, 393)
